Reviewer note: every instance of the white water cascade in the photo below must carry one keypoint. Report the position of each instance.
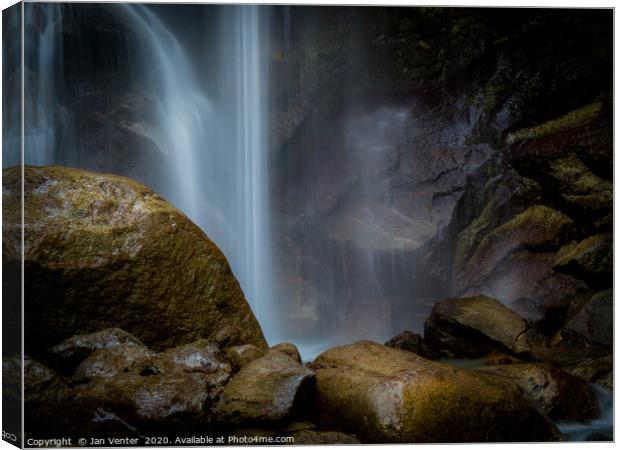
(217, 141)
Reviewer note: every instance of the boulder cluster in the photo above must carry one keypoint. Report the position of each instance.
(137, 327)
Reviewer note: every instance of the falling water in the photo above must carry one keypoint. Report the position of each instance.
(219, 141)
(210, 139)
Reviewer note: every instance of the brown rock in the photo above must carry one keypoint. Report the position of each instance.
(535, 226)
(474, 326)
(411, 342)
(72, 351)
(590, 260)
(152, 391)
(288, 349)
(266, 390)
(241, 355)
(384, 395)
(314, 437)
(105, 251)
(561, 396)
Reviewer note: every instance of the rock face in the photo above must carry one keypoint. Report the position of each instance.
(72, 351)
(411, 342)
(474, 326)
(593, 322)
(386, 395)
(599, 370)
(590, 259)
(267, 389)
(151, 391)
(241, 355)
(104, 251)
(561, 396)
(288, 349)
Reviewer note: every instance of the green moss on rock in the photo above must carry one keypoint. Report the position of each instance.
(104, 251)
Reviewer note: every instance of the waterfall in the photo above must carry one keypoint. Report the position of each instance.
(218, 141)
(208, 145)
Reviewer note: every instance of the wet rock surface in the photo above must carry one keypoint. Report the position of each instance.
(91, 242)
(474, 326)
(561, 396)
(387, 395)
(411, 342)
(288, 349)
(72, 351)
(241, 355)
(267, 389)
(313, 437)
(174, 389)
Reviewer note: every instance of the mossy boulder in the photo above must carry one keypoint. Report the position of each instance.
(598, 369)
(104, 251)
(384, 395)
(563, 397)
(72, 351)
(472, 327)
(288, 349)
(268, 389)
(536, 226)
(590, 260)
(593, 322)
(411, 342)
(173, 390)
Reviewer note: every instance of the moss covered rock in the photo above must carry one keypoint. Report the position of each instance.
(474, 326)
(268, 389)
(590, 260)
(104, 251)
(386, 395)
(535, 226)
(561, 396)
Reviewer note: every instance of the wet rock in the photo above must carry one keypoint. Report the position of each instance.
(314, 437)
(411, 342)
(45, 394)
(593, 323)
(288, 349)
(241, 355)
(203, 357)
(91, 241)
(70, 352)
(384, 395)
(580, 189)
(590, 260)
(594, 370)
(267, 389)
(173, 390)
(526, 282)
(474, 326)
(563, 397)
(536, 226)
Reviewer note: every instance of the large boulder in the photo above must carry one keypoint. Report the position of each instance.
(268, 389)
(474, 326)
(105, 251)
(563, 397)
(384, 395)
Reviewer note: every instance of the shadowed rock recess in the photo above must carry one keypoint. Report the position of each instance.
(438, 179)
